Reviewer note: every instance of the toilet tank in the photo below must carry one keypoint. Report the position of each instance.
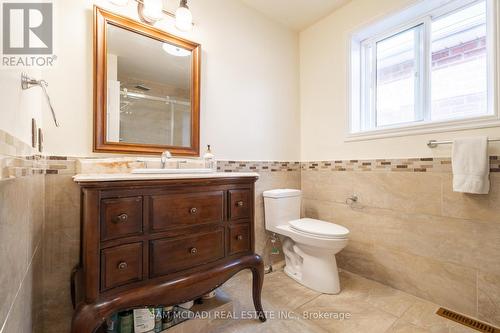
(280, 207)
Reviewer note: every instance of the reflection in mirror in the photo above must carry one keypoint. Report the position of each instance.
(148, 90)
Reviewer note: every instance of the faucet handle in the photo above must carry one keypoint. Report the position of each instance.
(164, 157)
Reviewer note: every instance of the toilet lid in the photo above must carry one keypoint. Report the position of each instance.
(320, 228)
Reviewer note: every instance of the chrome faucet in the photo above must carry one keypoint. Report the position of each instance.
(164, 157)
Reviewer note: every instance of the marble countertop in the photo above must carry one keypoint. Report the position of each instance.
(108, 177)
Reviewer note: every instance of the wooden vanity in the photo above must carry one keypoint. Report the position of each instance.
(160, 242)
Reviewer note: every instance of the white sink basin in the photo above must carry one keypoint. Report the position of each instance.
(171, 171)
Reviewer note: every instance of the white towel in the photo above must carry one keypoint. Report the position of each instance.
(471, 165)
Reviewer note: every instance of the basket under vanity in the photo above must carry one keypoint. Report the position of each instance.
(160, 242)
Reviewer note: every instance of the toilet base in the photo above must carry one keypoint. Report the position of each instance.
(312, 267)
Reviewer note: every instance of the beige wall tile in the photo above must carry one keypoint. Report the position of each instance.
(61, 250)
(357, 257)
(469, 243)
(447, 284)
(472, 206)
(21, 223)
(321, 185)
(488, 286)
(317, 209)
(406, 192)
(25, 315)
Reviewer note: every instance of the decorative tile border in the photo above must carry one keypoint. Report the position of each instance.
(69, 165)
(62, 164)
(257, 166)
(430, 164)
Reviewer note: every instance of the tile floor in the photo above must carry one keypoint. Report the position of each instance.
(373, 308)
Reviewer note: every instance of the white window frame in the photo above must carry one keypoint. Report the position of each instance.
(422, 13)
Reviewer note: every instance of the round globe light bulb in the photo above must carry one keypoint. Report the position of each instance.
(153, 9)
(183, 19)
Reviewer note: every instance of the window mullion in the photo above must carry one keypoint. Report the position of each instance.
(373, 100)
(426, 70)
(418, 79)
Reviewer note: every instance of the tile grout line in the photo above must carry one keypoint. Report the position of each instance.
(20, 287)
(306, 302)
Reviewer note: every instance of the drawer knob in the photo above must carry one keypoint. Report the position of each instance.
(240, 203)
(193, 250)
(121, 218)
(193, 210)
(239, 237)
(122, 265)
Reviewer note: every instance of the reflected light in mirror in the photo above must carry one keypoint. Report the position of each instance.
(153, 9)
(183, 17)
(175, 50)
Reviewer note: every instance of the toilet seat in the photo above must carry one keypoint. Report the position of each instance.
(318, 228)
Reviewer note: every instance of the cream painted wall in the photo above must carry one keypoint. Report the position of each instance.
(250, 87)
(18, 107)
(324, 92)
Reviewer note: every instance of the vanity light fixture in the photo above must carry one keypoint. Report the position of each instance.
(151, 11)
(183, 17)
(175, 50)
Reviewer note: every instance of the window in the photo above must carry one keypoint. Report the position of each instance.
(434, 72)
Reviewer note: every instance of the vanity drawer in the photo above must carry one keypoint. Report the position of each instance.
(121, 265)
(173, 255)
(121, 217)
(239, 238)
(185, 209)
(240, 204)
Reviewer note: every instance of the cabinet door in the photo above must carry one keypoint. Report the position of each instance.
(239, 238)
(121, 265)
(240, 202)
(121, 217)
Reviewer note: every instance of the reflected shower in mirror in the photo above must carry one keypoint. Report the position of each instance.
(148, 90)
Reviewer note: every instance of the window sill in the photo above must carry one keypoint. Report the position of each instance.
(427, 128)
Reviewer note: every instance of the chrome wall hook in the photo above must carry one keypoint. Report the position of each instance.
(28, 82)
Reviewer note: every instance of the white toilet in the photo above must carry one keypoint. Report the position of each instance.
(309, 245)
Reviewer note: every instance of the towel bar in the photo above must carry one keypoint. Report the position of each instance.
(435, 143)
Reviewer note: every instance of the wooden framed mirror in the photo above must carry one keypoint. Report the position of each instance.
(146, 88)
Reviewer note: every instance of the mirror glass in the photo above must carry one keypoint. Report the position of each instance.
(148, 90)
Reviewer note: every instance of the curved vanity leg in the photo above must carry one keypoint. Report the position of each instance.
(86, 319)
(258, 280)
